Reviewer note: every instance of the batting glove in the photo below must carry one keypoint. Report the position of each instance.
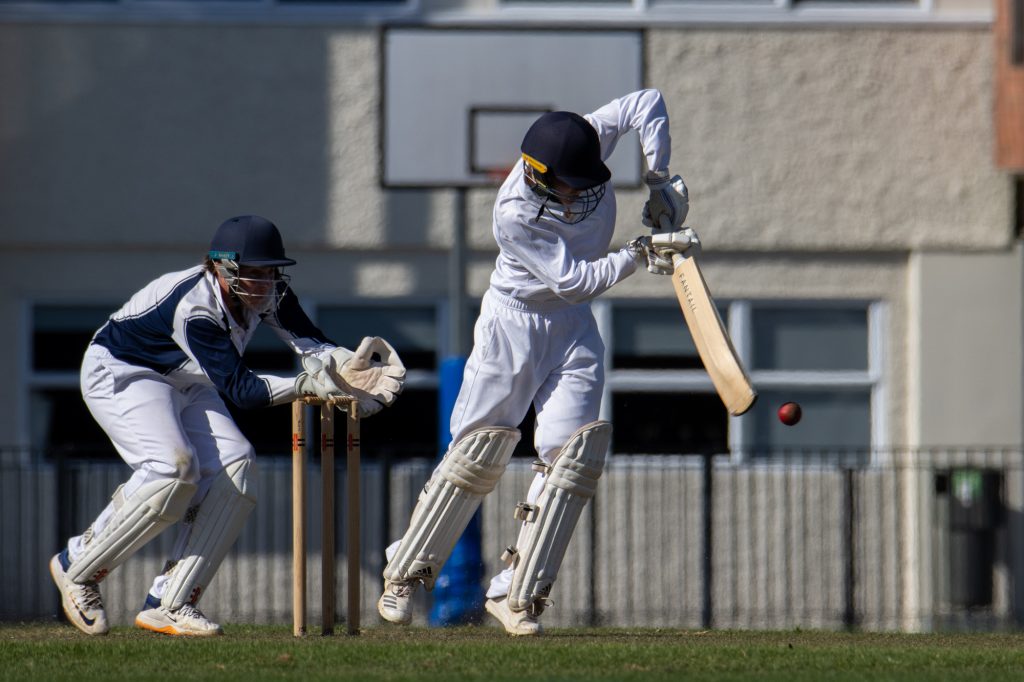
(668, 204)
(677, 241)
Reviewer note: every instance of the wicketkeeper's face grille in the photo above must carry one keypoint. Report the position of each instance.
(259, 288)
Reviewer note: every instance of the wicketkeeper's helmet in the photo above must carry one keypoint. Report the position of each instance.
(251, 241)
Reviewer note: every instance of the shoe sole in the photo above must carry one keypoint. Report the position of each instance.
(70, 610)
(173, 631)
(496, 611)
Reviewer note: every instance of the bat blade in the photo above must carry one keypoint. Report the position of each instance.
(709, 334)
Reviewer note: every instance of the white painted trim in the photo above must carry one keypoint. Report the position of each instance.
(660, 381)
(740, 324)
(878, 361)
(642, 14)
(603, 315)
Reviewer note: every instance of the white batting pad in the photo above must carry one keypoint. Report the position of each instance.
(549, 524)
(469, 470)
(136, 520)
(212, 532)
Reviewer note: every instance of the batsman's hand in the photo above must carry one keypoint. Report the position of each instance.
(668, 204)
(371, 373)
(644, 254)
(678, 241)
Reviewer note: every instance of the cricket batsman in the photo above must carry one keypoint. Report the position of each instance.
(536, 341)
(155, 377)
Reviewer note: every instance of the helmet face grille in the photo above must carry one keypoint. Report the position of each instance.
(262, 295)
(566, 207)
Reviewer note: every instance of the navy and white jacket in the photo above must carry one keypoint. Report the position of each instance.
(178, 326)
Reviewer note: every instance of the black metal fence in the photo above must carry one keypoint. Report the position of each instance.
(895, 540)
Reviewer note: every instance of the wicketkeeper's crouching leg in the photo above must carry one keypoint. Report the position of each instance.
(209, 530)
(129, 522)
(548, 524)
(469, 471)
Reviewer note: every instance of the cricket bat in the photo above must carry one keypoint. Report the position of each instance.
(713, 343)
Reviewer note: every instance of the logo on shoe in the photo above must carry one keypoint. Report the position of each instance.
(85, 619)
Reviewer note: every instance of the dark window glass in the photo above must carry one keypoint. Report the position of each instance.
(61, 333)
(412, 330)
(669, 423)
(61, 425)
(407, 429)
(652, 337)
(798, 338)
(833, 420)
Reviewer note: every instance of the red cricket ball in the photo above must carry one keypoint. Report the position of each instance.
(790, 413)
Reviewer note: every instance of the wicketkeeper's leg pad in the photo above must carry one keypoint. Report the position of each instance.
(210, 533)
(548, 524)
(470, 470)
(137, 519)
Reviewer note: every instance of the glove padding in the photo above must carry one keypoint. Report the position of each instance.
(317, 380)
(668, 204)
(667, 243)
(360, 375)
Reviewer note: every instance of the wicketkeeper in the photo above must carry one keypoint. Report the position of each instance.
(536, 341)
(155, 377)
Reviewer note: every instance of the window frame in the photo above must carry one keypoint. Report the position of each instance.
(739, 321)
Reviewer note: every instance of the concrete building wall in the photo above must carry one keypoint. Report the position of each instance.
(817, 159)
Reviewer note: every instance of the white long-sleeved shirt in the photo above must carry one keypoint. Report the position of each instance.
(544, 261)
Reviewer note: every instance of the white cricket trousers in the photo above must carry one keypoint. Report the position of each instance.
(161, 431)
(550, 356)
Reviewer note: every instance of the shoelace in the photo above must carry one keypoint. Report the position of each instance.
(190, 611)
(90, 596)
(536, 608)
(401, 589)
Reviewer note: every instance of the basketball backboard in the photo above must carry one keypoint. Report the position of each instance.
(457, 102)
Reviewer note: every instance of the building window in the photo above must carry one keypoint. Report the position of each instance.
(823, 355)
(58, 420)
(409, 428)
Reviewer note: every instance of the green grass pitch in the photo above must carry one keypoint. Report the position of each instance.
(246, 652)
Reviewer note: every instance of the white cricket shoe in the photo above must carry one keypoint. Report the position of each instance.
(524, 623)
(395, 605)
(82, 603)
(186, 620)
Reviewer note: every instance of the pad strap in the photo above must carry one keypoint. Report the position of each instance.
(210, 533)
(136, 520)
(470, 470)
(548, 525)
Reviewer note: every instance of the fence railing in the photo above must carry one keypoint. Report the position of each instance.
(903, 540)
